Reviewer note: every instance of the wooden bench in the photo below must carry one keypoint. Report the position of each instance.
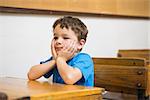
(138, 53)
(123, 75)
(135, 53)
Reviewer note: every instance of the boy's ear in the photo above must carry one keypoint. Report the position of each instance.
(81, 44)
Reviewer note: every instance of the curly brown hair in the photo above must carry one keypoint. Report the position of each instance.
(75, 24)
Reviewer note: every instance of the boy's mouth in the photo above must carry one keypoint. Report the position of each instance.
(58, 48)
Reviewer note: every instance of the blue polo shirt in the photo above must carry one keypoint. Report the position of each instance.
(81, 61)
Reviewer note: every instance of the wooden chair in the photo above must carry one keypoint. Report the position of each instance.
(135, 53)
(3, 96)
(122, 75)
(138, 53)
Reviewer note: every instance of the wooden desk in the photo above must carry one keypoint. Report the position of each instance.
(135, 53)
(122, 75)
(148, 83)
(138, 53)
(16, 88)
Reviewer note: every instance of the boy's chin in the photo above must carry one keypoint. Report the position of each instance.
(58, 51)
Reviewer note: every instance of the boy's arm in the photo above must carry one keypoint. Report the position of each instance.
(39, 70)
(69, 74)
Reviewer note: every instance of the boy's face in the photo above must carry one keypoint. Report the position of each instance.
(64, 37)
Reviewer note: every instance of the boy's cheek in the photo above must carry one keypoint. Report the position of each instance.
(66, 43)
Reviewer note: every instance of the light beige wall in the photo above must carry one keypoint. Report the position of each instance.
(25, 39)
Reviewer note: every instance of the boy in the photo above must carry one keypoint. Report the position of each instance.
(67, 64)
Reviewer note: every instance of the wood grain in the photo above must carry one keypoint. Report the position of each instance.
(138, 53)
(138, 8)
(135, 53)
(125, 75)
(20, 88)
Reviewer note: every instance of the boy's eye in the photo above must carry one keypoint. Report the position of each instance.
(55, 38)
(66, 37)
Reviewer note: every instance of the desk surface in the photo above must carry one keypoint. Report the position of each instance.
(20, 88)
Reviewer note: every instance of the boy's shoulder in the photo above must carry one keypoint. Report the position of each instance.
(82, 56)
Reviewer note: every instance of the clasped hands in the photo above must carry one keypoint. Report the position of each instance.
(66, 53)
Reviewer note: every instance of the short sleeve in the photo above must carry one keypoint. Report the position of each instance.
(85, 63)
(47, 75)
(42, 62)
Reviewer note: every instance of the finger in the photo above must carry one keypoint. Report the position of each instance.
(67, 47)
(71, 46)
(74, 47)
(52, 45)
(53, 49)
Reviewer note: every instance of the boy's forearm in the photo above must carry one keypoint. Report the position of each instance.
(68, 73)
(39, 70)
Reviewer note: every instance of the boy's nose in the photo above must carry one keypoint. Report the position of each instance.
(59, 41)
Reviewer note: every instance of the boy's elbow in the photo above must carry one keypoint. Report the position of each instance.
(69, 80)
(30, 77)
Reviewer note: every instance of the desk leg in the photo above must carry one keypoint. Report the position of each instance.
(3, 96)
(147, 98)
(141, 94)
(24, 98)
